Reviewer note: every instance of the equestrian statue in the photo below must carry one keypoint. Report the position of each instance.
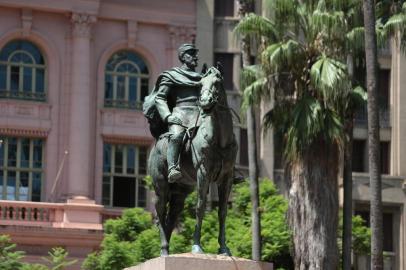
(195, 144)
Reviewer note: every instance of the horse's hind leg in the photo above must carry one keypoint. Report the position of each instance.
(161, 209)
(224, 189)
(176, 204)
(202, 188)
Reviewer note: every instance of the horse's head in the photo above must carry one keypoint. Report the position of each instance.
(209, 93)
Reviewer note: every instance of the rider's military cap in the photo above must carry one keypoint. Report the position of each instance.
(186, 47)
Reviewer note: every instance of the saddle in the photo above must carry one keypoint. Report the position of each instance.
(187, 139)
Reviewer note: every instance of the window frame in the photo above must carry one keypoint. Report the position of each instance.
(137, 176)
(21, 93)
(18, 169)
(114, 102)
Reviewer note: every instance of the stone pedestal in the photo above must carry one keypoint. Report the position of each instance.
(189, 261)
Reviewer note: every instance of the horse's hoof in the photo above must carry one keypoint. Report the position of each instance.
(197, 249)
(224, 251)
(164, 252)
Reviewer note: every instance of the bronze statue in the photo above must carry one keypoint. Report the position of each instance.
(195, 144)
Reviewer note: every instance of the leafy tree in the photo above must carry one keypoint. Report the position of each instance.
(10, 259)
(133, 238)
(35, 266)
(361, 236)
(126, 242)
(58, 259)
(92, 262)
(361, 243)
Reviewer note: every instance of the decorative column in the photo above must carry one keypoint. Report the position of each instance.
(80, 108)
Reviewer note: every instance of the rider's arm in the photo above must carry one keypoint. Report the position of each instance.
(161, 101)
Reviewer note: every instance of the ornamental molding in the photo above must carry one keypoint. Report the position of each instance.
(82, 24)
(120, 139)
(180, 34)
(26, 21)
(24, 132)
(132, 29)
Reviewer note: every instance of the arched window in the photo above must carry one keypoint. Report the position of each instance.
(22, 71)
(126, 81)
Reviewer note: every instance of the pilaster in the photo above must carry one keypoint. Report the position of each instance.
(179, 34)
(80, 107)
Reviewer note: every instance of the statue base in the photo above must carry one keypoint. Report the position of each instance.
(188, 261)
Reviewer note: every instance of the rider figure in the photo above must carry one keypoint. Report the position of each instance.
(176, 102)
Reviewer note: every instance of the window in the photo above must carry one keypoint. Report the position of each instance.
(124, 167)
(388, 243)
(227, 62)
(224, 8)
(243, 147)
(385, 157)
(383, 88)
(21, 169)
(278, 150)
(126, 81)
(358, 155)
(22, 71)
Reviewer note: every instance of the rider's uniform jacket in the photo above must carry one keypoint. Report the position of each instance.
(178, 91)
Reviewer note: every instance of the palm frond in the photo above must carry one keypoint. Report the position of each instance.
(250, 74)
(254, 93)
(382, 35)
(282, 8)
(253, 84)
(305, 124)
(283, 55)
(331, 23)
(311, 121)
(396, 23)
(284, 14)
(358, 97)
(278, 117)
(355, 39)
(259, 26)
(330, 78)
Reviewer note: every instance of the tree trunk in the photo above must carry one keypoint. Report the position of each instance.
(347, 207)
(254, 185)
(373, 137)
(313, 207)
(245, 7)
(347, 179)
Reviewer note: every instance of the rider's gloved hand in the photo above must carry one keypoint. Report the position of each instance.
(171, 119)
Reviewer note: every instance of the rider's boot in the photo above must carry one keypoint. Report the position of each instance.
(174, 147)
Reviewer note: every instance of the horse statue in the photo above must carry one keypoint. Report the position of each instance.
(208, 157)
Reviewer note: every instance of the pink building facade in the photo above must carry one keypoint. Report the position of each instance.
(73, 139)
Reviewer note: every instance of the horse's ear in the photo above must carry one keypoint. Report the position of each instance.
(219, 66)
(204, 68)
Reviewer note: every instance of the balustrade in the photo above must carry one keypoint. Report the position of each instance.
(28, 212)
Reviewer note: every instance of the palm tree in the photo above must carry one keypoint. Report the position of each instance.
(390, 20)
(373, 136)
(245, 7)
(305, 45)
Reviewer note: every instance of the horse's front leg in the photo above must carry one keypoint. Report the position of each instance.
(202, 188)
(224, 189)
